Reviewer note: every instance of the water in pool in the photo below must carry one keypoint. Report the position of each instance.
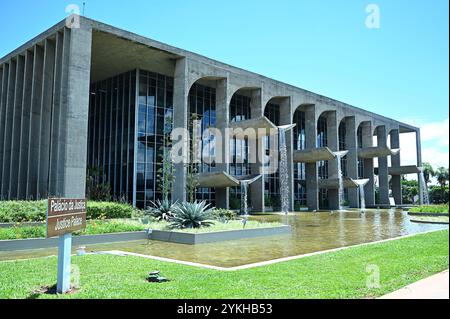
(311, 232)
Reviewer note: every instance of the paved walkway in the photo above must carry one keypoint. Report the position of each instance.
(434, 287)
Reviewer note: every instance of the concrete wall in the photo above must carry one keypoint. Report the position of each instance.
(44, 98)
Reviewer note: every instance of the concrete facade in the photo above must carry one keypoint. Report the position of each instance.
(44, 110)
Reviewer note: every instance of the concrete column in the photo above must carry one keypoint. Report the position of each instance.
(286, 115)
(25, 126)
(180, 107)
(257, 188)
(63, 107)
(3, 95)
(383, 170)
(15, 139)
(56, 114)
(367, 141)
(396, 180)
(35, 120)
(223, 118)
(333, 144)
(7, 136)
(312, 177)
(46, 118)
(419, 164)
(76, 124)
(351, 144)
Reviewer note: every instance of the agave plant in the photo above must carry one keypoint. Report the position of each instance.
(162, 210)
(192, 215)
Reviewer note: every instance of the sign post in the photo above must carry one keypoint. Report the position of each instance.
(65, 216)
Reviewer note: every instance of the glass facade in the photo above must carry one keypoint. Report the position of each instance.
(343, 147)
(202, 107)
(360, 145)
(272, 181)
(240, 110)
(322, 166)
(299, 168)
(111, 133)
(155, 118)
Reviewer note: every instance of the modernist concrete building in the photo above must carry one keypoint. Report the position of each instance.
(94, 95)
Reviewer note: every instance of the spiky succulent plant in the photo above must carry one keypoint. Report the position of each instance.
(192, 215)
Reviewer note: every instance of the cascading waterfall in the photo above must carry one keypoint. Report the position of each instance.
(284, 173)
(423, 186)
(244, 196)
(362, 197)
(341, 181)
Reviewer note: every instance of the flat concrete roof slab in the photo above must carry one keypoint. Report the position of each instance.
(376, 151)
(313, 155)
(217, 180)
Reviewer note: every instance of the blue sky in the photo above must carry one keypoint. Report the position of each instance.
(399, 70)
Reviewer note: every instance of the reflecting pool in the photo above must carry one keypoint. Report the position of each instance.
(311, 232)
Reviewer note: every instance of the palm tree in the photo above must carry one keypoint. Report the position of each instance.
(442, 178)
(428, 172)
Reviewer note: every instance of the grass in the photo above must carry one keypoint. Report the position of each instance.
(93, 227)
(436, 209)
(340, 274)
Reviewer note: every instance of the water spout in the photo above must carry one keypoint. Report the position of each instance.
(339, 156)
(284, 171)
(244, 193)
(425, 200)
(362, 196)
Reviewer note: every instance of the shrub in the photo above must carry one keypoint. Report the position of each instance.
(437, 209)
(192, 215)
(35, 211)
(22, 211)
(108, 210)
(224, 214)
(161, 210)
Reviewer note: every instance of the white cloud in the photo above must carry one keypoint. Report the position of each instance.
(435, 143)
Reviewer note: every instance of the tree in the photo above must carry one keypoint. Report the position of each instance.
(166, 174)
(410, 189)
(428, 172)
(442, 178)
(191, 166)
(95, 190)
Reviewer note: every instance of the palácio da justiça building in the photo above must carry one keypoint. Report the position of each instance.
(85, 94)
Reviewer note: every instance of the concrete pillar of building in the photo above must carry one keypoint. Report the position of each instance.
(312, 177)
(223, 118)
(4, 71)
(46, 111)
(257, 168)
(54, 162)
(25, 126)
(35, 120)
(15, 130)
(180, 106)
(351, 144)
(419, 164)
(383, 170)
(369, 188)
(286, 114)
(7, 136)
(333, 144)
(76, 120)
(396, 181)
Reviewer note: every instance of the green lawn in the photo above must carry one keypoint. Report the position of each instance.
(340, 274)
(435, 209)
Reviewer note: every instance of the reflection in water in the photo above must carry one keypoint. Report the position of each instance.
(310, 232)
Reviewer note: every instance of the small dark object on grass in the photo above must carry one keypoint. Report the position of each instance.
(155, 277)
